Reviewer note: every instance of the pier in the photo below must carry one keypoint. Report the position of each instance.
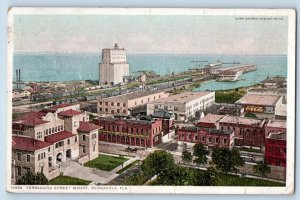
(232, 73)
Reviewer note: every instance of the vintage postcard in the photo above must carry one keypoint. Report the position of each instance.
(151, 100)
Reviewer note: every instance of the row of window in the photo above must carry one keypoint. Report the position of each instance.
(51, 130)
(41, 156)
(19, 170)
(19, 157)
(112, 111)
(112, 104)
(131, 130)
(204, 139)
(276, 149)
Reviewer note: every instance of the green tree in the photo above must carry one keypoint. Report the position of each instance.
(186, 157)
(202, 178)
(237, 160)
(31, 179)
(157, 163)
(227, 160)
(200, 153)
(262, 169)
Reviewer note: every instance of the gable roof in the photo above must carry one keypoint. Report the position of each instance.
(69, 113)
(87, 127)
(31, 119)
(28, 144)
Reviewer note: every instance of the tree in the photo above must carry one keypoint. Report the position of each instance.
(200, 153)
(31, 179)
(237, 160)
(227, 160)
(158, 163)
(202, 178)
(186, 157)
(262, 169)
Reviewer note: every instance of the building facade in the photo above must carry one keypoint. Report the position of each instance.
(143, 133)
(263, 106)
(114, 66)
(43, 141)
(275, 149)
(184, 105)
(247, 131)
(125, 104)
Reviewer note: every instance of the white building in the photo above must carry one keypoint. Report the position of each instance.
(114, 66)
(183, 105)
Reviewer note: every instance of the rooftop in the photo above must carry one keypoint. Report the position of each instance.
(55, 107)
(87, 127)
(28, 144)
(278, 136)
(31, 119)
(254, 99)
(211, 118)
(69, 113)
(129, 96)
(277, 123)
(162, 114)
(241, 120)
(213, 131)
(58, 136)
(182, 98)
(133, 121)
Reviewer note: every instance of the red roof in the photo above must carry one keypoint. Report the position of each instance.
(69, 113)
(28, 144)
(87, 127)
(31, 119)
(58, 136)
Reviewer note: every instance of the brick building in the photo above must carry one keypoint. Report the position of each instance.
(275, 149)
(247, 131)
(143, 133)
(42, 141)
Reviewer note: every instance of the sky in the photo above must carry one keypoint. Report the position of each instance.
(150, 34)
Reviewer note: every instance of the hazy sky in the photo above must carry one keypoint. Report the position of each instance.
(150, 34)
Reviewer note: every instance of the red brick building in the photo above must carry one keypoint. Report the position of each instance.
(144, 133)
(248, 131)
(275, 144)
(210, 137)
(275, 152)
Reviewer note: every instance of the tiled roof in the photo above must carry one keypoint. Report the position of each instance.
(58, 136)
(87, 127)
(31, 119)
(28, 144)
(69, 113)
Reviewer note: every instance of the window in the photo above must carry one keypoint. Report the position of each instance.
(124, 104)
(39, 157)
(100, 109)
(175, 108)
(94, 136)
(142, 101)
(166, 107)
(49, 130)
(83, 149)
(75, 138)
(58, 128)
(135, 103)
(18, 171)
(49, 149)
(118, 110)
(118, 104)
(19, 156)
(100, 102)
(94, 147)
(68, 141)
(106, 109)
(112, 104)
(225, 141)
(62, 127)
(112, 111)
(217, 140)
(27, 158)
(203, 139)
(106, 103)
(156, 107)
(209, 139)
(83, 137)
(124, 111)
(52, 130)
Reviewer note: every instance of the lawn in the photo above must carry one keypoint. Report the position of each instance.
(67, 180)
(105, 162)
(231, 180)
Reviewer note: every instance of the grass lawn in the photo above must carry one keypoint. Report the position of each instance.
(67, 180)
(105, 162)
(231, 180)
(127, 167)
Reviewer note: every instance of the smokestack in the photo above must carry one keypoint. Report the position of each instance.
(17, 78)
